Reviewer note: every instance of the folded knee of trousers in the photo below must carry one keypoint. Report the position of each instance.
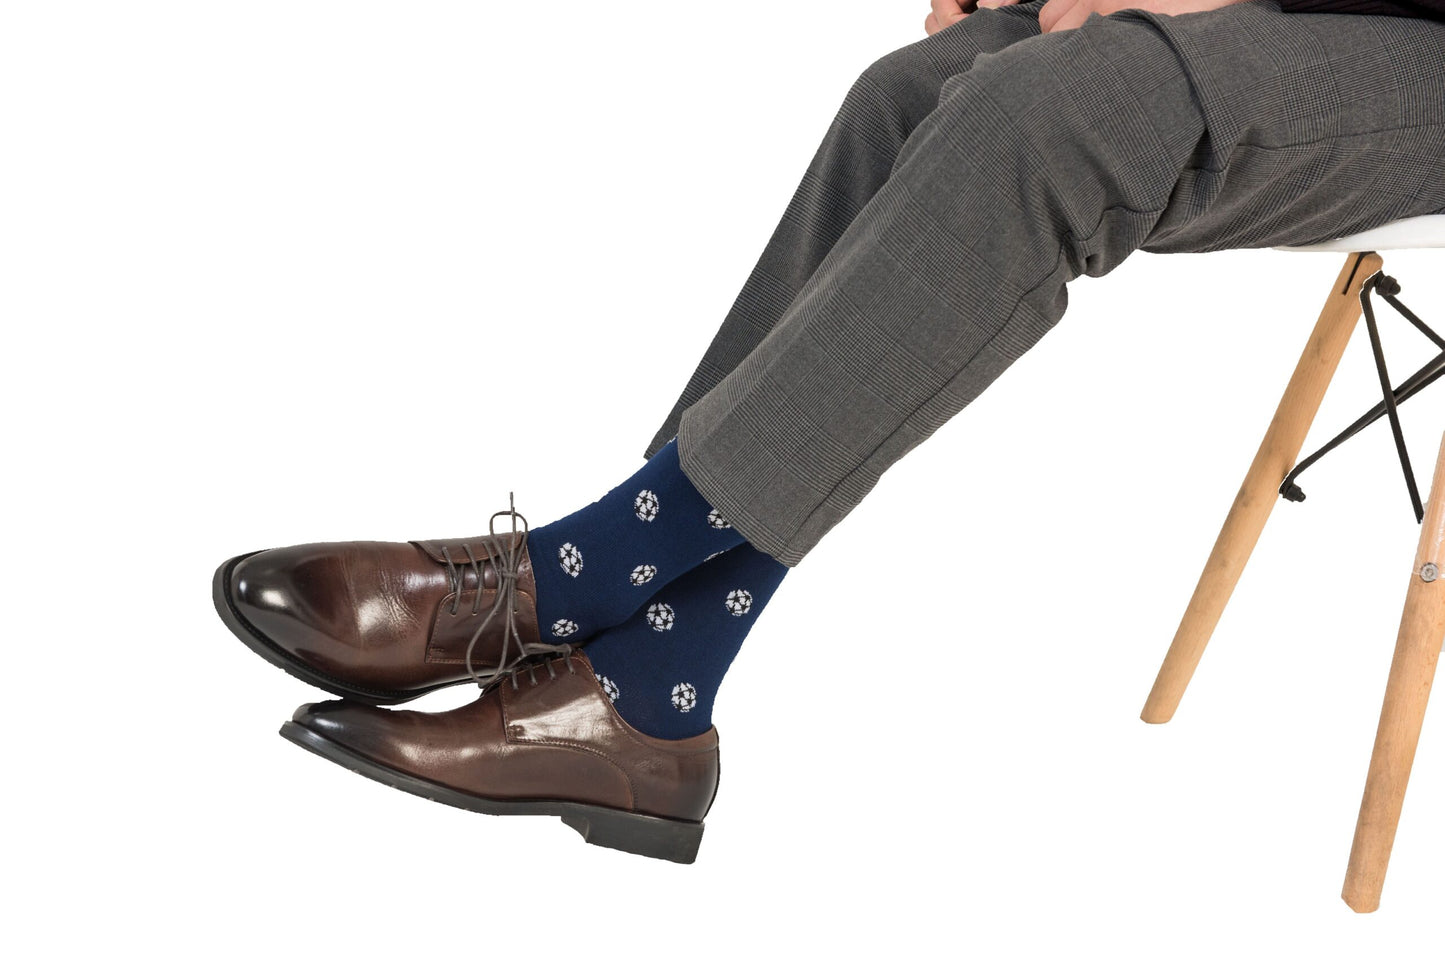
(1078, 138)
(903, 85)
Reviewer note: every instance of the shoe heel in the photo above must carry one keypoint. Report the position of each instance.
(636, 833)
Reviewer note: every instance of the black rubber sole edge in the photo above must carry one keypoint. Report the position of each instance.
(642, 834)
(278, 657)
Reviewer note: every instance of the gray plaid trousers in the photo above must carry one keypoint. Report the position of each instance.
(968, 177)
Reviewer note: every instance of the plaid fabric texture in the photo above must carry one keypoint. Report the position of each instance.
(968, 177)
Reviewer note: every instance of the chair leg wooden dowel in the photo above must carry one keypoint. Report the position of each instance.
(1257, 495)
(1417, 651)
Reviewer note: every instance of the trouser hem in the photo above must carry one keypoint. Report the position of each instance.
(749, 526)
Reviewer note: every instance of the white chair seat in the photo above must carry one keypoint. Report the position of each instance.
(1426, 231)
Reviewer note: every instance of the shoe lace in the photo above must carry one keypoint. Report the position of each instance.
(506, 558)
(550, 663)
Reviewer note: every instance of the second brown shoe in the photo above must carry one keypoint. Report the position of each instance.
(544, 740)
(383, 622)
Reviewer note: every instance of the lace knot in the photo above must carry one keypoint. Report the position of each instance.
(506, 558)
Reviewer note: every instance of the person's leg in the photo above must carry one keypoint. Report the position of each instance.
(578, 600)
(1053, 157)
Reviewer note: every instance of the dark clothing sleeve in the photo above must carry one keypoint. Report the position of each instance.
(1422, 9)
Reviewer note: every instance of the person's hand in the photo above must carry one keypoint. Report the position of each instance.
(946, 12)
(1068, 14)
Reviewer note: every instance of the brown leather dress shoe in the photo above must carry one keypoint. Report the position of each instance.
(384, 622)
(546, 740)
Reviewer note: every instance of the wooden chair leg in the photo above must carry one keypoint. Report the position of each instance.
(1257, 495)
(1417, 650)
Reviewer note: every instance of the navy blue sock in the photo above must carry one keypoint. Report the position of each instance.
(662, 675)
(597, 567)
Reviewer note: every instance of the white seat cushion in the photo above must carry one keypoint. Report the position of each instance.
(1426, 231)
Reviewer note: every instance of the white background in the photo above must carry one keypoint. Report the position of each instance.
(283, 272)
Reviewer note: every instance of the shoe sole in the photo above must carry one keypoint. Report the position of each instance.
(642, 834)
(277, 656)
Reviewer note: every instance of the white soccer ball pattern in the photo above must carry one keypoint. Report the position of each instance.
(646, 505)
(642, 574)
(564, 628)
(684, 697)
(716, 520)
(739, 602)
(660, 617)
(608, 687)
(571, 559)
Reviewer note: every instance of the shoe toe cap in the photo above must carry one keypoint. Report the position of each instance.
(337, 717)
(362, 728)
(291, 595)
